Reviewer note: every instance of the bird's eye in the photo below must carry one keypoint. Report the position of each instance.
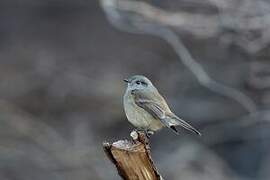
(138, 82)
(144, 83)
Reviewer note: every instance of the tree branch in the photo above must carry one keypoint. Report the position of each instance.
(132, 158)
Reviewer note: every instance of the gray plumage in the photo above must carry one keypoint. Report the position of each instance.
(146, 109)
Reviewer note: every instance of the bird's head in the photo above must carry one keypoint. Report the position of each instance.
(138, 82)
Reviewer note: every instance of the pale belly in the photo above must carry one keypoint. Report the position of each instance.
(140, 118)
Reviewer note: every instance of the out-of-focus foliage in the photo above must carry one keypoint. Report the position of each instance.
(62, 63)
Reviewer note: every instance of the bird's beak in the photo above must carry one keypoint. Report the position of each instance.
(126, 80)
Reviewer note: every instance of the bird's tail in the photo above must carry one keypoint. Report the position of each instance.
(176, 121)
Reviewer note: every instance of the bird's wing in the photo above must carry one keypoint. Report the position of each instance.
(153, 105)
(157, 107)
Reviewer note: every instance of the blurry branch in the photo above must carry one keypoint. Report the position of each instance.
(245, 23)
(127, 13)
(195, 24)
(202, 76)
(132, 159)
(140, 17)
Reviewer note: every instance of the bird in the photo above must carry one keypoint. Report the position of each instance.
(147, 110)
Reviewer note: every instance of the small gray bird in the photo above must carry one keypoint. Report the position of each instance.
(147, 110)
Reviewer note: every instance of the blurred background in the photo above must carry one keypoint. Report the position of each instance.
(62, 65)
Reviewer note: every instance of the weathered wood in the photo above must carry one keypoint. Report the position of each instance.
(132, 158)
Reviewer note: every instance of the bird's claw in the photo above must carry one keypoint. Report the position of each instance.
(148, 133)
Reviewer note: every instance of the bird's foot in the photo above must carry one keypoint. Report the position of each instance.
(147, 133)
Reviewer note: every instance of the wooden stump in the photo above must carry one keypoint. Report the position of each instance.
(132, 158)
